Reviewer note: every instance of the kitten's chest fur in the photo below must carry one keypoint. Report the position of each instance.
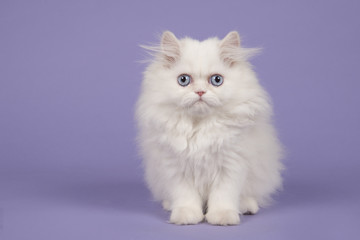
(200, 147)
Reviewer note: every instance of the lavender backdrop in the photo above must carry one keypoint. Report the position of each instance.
(69, 78)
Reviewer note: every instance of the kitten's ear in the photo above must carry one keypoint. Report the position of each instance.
(228, 46)
(170, 48)
(231, 52)
(231, 40)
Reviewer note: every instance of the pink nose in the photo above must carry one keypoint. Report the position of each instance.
(200, 93)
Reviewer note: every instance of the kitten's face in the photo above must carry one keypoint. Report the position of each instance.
(209, 79)
(194, 76)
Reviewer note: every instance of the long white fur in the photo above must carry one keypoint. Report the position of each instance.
(219, 156)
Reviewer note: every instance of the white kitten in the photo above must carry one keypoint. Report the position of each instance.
(205, 131)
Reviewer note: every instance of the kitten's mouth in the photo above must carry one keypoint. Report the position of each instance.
(200, 103)
(200, 100)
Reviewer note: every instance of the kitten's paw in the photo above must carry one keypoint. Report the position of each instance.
(186, 215)
(223, 217)
(249, 206)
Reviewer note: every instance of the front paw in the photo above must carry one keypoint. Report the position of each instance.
(186, 215)
(249, 206)
(223, 217)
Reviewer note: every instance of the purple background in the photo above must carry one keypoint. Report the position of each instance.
(69, 78)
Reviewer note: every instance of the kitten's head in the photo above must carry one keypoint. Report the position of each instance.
(199, 78)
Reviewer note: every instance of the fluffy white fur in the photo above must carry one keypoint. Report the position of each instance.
(219, 156)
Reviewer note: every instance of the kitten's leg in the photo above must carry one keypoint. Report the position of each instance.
(166, 205)
(224, 198)
(186, 205)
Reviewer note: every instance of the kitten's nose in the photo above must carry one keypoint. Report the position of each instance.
(200, 93)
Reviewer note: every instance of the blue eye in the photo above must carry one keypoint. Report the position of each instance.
(216, 80)
(184, 80)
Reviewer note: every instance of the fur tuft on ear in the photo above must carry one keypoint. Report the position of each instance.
(170, 47)
(231, 52)
(168, 51)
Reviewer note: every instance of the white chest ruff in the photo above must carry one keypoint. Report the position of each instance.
(199, 152)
